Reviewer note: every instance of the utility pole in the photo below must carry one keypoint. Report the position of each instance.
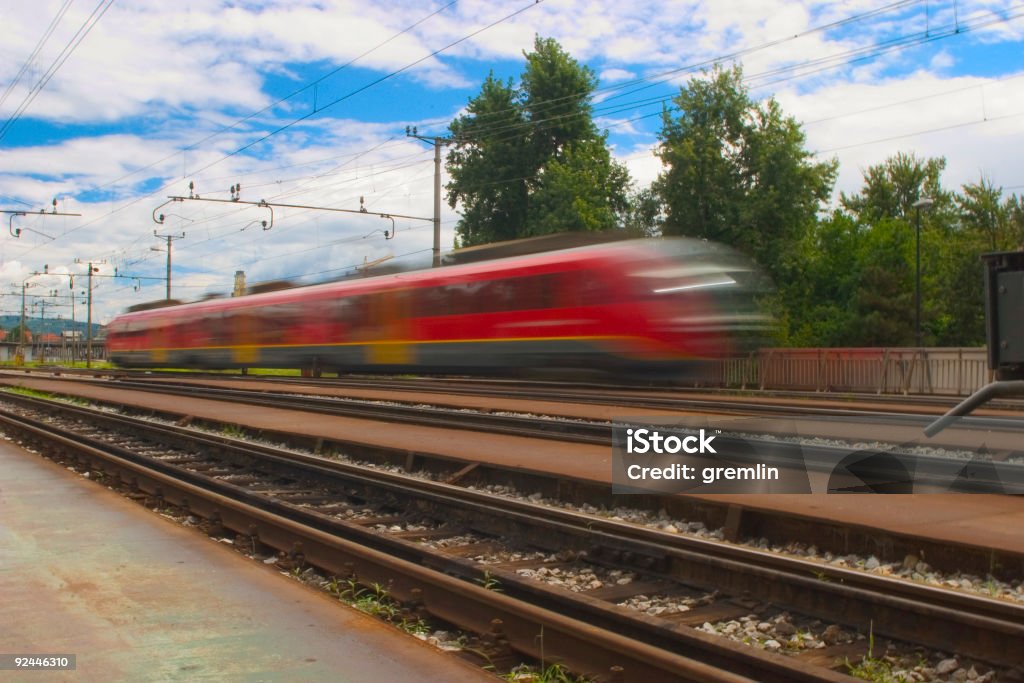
(437, 141)
(169, 239)
(88, 330)
(42, 327)
(24, 286)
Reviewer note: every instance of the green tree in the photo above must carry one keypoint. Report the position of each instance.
(884, 298)
(528, 160)
(983, 213)
(580, 189)
(1015, 221)
(643, 215)
(736, 171)
(819, 300)
(983, 222)
(886, 264)
(892, 187)
(489, 166)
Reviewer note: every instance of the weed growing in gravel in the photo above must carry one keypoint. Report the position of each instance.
(554, 673)
(45, 396)
(873, 668)
(232, 431)
(489, 582)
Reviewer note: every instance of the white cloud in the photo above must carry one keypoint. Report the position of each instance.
(616, 75)
(970, 121)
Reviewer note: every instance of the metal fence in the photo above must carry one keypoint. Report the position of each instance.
(949, 371)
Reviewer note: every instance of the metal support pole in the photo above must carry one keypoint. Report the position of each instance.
(438, 141)
(24, 286)
(922, 203)
(21, 336)
(169, 238)
(88, 329)
(437, 202)
(917, 288)
(168, 267)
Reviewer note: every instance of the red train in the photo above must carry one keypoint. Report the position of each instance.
(624, 307)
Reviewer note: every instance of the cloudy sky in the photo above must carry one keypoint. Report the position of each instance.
(111, 106)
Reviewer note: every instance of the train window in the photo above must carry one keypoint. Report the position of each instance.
(490, 296)
(215, 329)
(536, 291)
(337, 310)
(462, 298)
(357, 311)
(500, 295)
(587, 289)
(271, 325)
(429, 302)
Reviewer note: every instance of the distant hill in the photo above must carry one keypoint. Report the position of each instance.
(48, 326)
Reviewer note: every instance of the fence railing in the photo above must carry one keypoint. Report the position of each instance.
(950, 371)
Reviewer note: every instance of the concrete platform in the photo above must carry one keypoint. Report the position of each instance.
(137, 597)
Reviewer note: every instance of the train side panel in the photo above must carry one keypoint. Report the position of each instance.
(619, 307)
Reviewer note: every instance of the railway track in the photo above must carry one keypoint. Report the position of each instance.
(967, 475)
(420, 535)
(652, 395)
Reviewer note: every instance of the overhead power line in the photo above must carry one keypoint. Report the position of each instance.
(68, 50)
(305, 88)
(35, 52)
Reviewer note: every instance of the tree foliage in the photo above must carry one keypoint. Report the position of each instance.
(736, 170)
(859, 276)
(488, 165)
(528, 160)
(892, 187)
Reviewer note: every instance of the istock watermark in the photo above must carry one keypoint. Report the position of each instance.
(673, 458)
(652, 441)
(721, 454)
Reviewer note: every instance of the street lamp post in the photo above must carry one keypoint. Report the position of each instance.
(922, 203)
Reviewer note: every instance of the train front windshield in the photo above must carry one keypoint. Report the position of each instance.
(711, 295)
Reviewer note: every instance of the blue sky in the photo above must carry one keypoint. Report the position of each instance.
(154, 95)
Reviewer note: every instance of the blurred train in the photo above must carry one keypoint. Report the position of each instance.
(636, 306)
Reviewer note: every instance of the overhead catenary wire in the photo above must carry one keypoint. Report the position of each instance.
(35, 51)
(819, 65)
(308, 86)
(68, 50)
